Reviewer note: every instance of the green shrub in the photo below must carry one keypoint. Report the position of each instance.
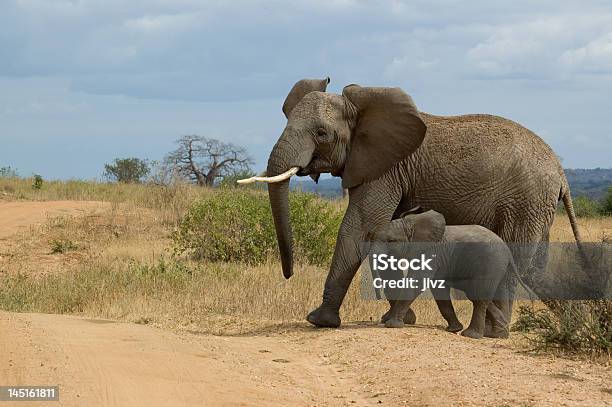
(586, 207)
(37, 183)
(62, 246)
(236, 225)
(127, 170)
(230, 181)
(606, 205)
(570, 326)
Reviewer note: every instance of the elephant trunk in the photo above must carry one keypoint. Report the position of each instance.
(291, 150)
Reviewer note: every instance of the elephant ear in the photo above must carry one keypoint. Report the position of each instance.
(300, 89)
(428, 227)
(388, 129)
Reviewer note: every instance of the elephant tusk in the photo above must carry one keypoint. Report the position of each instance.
(277, 178)
(252, 179)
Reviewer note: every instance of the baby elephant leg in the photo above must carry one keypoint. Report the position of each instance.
(493, 317)
(397, 312)
(477, 324)
(499, 311)
(409, 317)
(499, 325)
(445, 305)
(387, 314)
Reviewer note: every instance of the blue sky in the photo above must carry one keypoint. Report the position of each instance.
(83, 82)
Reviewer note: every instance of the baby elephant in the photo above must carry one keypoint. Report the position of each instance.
(470, 258)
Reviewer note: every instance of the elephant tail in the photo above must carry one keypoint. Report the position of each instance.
(571, 214)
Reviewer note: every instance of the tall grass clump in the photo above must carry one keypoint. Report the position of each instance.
(96, 285)
(569, 327)
(236, 225)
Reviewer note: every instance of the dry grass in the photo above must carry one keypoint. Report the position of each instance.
(112, 269)
(592, 229)
(118, 265)
(170, 202)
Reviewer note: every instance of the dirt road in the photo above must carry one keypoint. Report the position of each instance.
(108, 363)
(18, 216)
(105, 363)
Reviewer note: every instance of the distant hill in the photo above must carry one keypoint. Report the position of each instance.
(327, 187)
(593, 183)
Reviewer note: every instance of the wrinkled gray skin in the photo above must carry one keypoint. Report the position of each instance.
(474, 169)
(470, 258)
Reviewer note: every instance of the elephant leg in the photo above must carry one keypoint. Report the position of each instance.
(393, 295)
(397, 312)
(370, 205)
(497, 321)
(387, 314)
(345, 263)
(524, 238)
(499, 326)
(523, 254)
(476, 328)
(445, 305)
(409, 316)
(537, 267)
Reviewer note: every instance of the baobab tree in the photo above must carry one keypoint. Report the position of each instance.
(202, 160)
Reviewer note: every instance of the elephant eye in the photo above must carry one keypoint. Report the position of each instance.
(322, 135)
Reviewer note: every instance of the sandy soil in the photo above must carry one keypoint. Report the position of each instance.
(108, 363)
(18, 216)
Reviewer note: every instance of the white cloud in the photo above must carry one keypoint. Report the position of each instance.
(595, 56)
(524, 48)
(162, 23)
(544, 47)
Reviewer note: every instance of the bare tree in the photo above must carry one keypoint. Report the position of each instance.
(202, 160)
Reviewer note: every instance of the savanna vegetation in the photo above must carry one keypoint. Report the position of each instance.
(127, 170)
(205, 259)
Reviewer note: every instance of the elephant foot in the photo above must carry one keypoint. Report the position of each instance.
(488, 329)
(497, 332)
(324, 318)
(385, 317)
(454, 327)
(410, 317)
(472, 333)
(394, 323)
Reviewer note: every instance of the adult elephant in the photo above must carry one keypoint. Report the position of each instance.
(474, 169)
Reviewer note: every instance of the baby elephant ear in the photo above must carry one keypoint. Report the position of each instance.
(388, 129)
(428, 227)
(300, 89)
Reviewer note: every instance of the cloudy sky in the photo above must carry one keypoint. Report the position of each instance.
(85, 81)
